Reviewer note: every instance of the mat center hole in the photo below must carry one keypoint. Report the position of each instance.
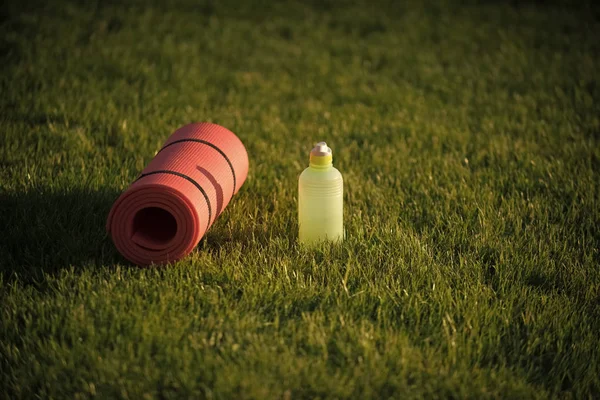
(154, 227)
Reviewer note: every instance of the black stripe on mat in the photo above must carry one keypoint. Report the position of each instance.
(214, 147)
(165, 171)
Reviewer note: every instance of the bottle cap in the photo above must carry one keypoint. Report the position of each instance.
(321, 155)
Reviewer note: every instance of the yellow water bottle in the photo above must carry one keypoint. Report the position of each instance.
(320, 199)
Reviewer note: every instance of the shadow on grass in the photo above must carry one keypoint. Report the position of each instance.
(46, 231)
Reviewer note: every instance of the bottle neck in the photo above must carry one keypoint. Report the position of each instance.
(320, 162)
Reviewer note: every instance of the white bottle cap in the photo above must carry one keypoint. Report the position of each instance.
(321, 150)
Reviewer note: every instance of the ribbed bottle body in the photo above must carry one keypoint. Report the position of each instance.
(320, 205)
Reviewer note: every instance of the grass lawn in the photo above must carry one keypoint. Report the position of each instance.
(469, 141)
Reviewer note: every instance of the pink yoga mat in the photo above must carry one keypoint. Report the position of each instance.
(163, 215)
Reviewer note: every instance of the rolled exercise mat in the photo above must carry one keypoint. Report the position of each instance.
(163, 215)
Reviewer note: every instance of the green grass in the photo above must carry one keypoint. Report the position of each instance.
(469, 140)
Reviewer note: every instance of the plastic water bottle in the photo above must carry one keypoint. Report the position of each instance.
(320, 199)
